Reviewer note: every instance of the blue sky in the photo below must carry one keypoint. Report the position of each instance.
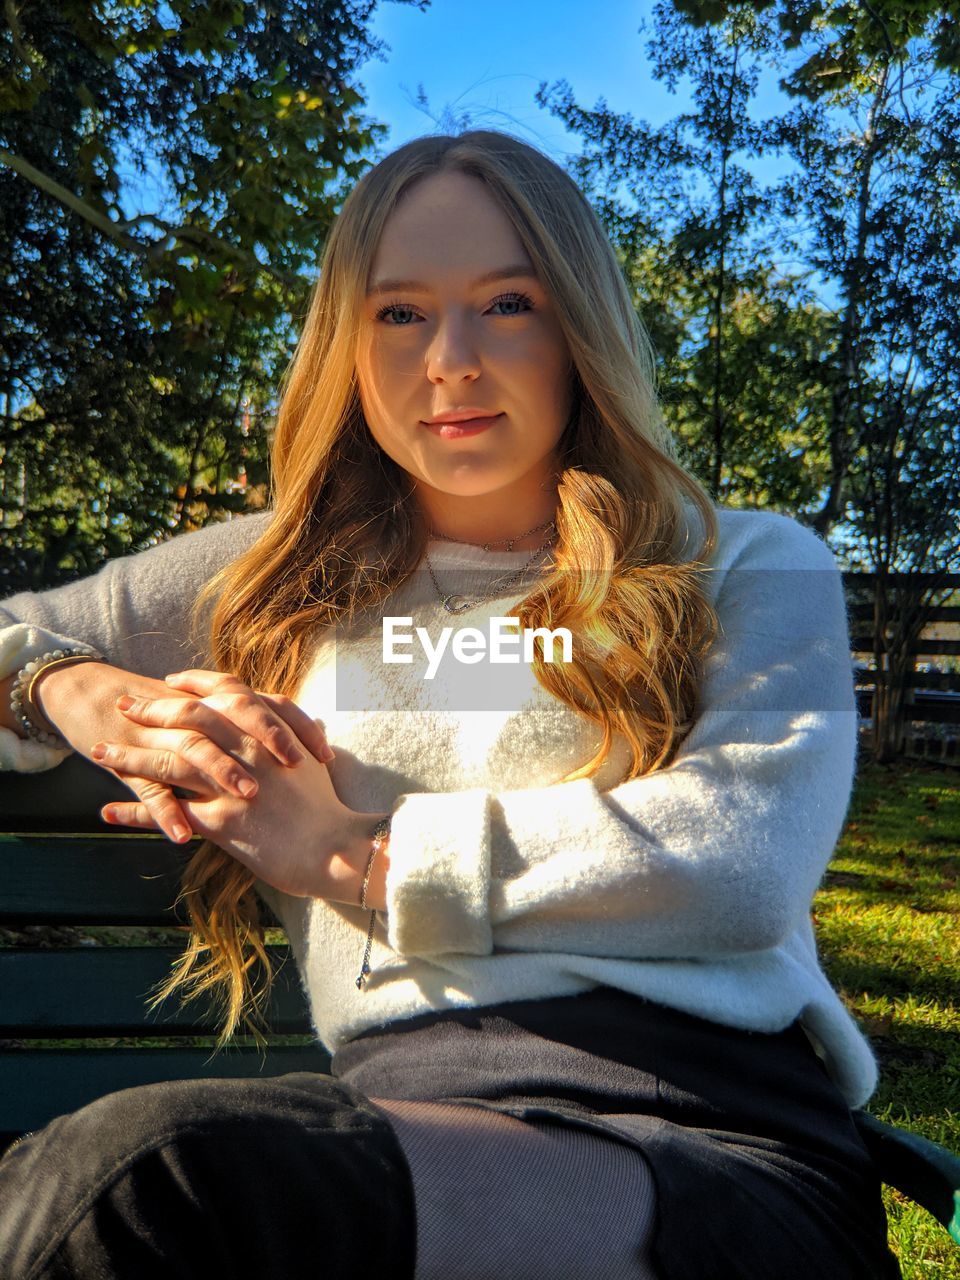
(488, 57)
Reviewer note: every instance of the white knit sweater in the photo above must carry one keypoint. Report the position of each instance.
(691, 886)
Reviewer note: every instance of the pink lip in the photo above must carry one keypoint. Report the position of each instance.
(458, 425)
(465, 414)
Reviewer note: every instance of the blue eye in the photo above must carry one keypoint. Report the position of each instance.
(523, 300)
(393, 309)
(401, 315)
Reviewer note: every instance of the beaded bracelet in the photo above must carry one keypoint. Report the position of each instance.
(380, 833)
(22, 703)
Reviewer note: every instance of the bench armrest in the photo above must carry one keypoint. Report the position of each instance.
(924, 1171)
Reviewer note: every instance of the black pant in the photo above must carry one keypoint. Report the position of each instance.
(282, 1177)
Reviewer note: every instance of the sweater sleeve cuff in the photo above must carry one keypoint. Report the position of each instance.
(20, 644)
(438, 879)
(24, 755)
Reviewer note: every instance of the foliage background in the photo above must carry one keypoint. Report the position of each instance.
(140, 353)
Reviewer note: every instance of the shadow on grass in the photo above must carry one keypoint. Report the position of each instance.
(874, 883)
(895, 1056)
(886, 980)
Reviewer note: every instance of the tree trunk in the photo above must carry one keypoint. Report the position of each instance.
(895, 659)
(850, 375)
(891, 699)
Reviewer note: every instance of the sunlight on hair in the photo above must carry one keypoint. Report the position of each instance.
(629, 567)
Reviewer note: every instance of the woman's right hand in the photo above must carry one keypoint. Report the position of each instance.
(80, 701)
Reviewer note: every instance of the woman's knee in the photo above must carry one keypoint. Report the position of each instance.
(53, 1177)
(85, 1148)
(129, 1120)
(250, 1154)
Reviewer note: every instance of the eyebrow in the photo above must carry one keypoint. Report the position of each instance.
(520, 270)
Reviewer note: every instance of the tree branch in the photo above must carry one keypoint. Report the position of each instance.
(16, 34)
(115, 230)
(120, 231)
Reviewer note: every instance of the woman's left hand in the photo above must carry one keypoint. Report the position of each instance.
(288, 833)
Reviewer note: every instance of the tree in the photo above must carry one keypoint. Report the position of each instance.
(740, 341)
(837, 39)
(871, 211)
(876, 202)
(141, 346)
(859, 76)
(903, 512)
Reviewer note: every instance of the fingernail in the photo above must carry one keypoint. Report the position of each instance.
(328, 754)
(125, 702)
(246, 786)
(292, 756)
(180, 832)
(98, 750)
(106, 815)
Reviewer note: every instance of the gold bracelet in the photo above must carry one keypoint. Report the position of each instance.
(380, 834)
(28, 715)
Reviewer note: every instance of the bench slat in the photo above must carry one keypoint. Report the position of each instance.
(102, 991)
(37, 1085)
(92, 879)
(67, 798)
(89, 880)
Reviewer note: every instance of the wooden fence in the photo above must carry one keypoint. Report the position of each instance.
(931, 724)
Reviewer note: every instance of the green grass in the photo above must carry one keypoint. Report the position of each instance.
(888, 927)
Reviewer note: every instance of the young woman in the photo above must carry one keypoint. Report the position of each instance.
(551, 905)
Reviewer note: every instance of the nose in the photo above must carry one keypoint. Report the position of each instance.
(452, 354)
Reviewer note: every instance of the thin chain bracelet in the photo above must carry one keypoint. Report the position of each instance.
(380, 833)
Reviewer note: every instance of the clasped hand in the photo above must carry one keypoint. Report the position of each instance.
(254, 765)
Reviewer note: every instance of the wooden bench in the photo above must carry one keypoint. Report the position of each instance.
(59, 866)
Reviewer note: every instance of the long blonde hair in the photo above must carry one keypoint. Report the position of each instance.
(346, 530)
